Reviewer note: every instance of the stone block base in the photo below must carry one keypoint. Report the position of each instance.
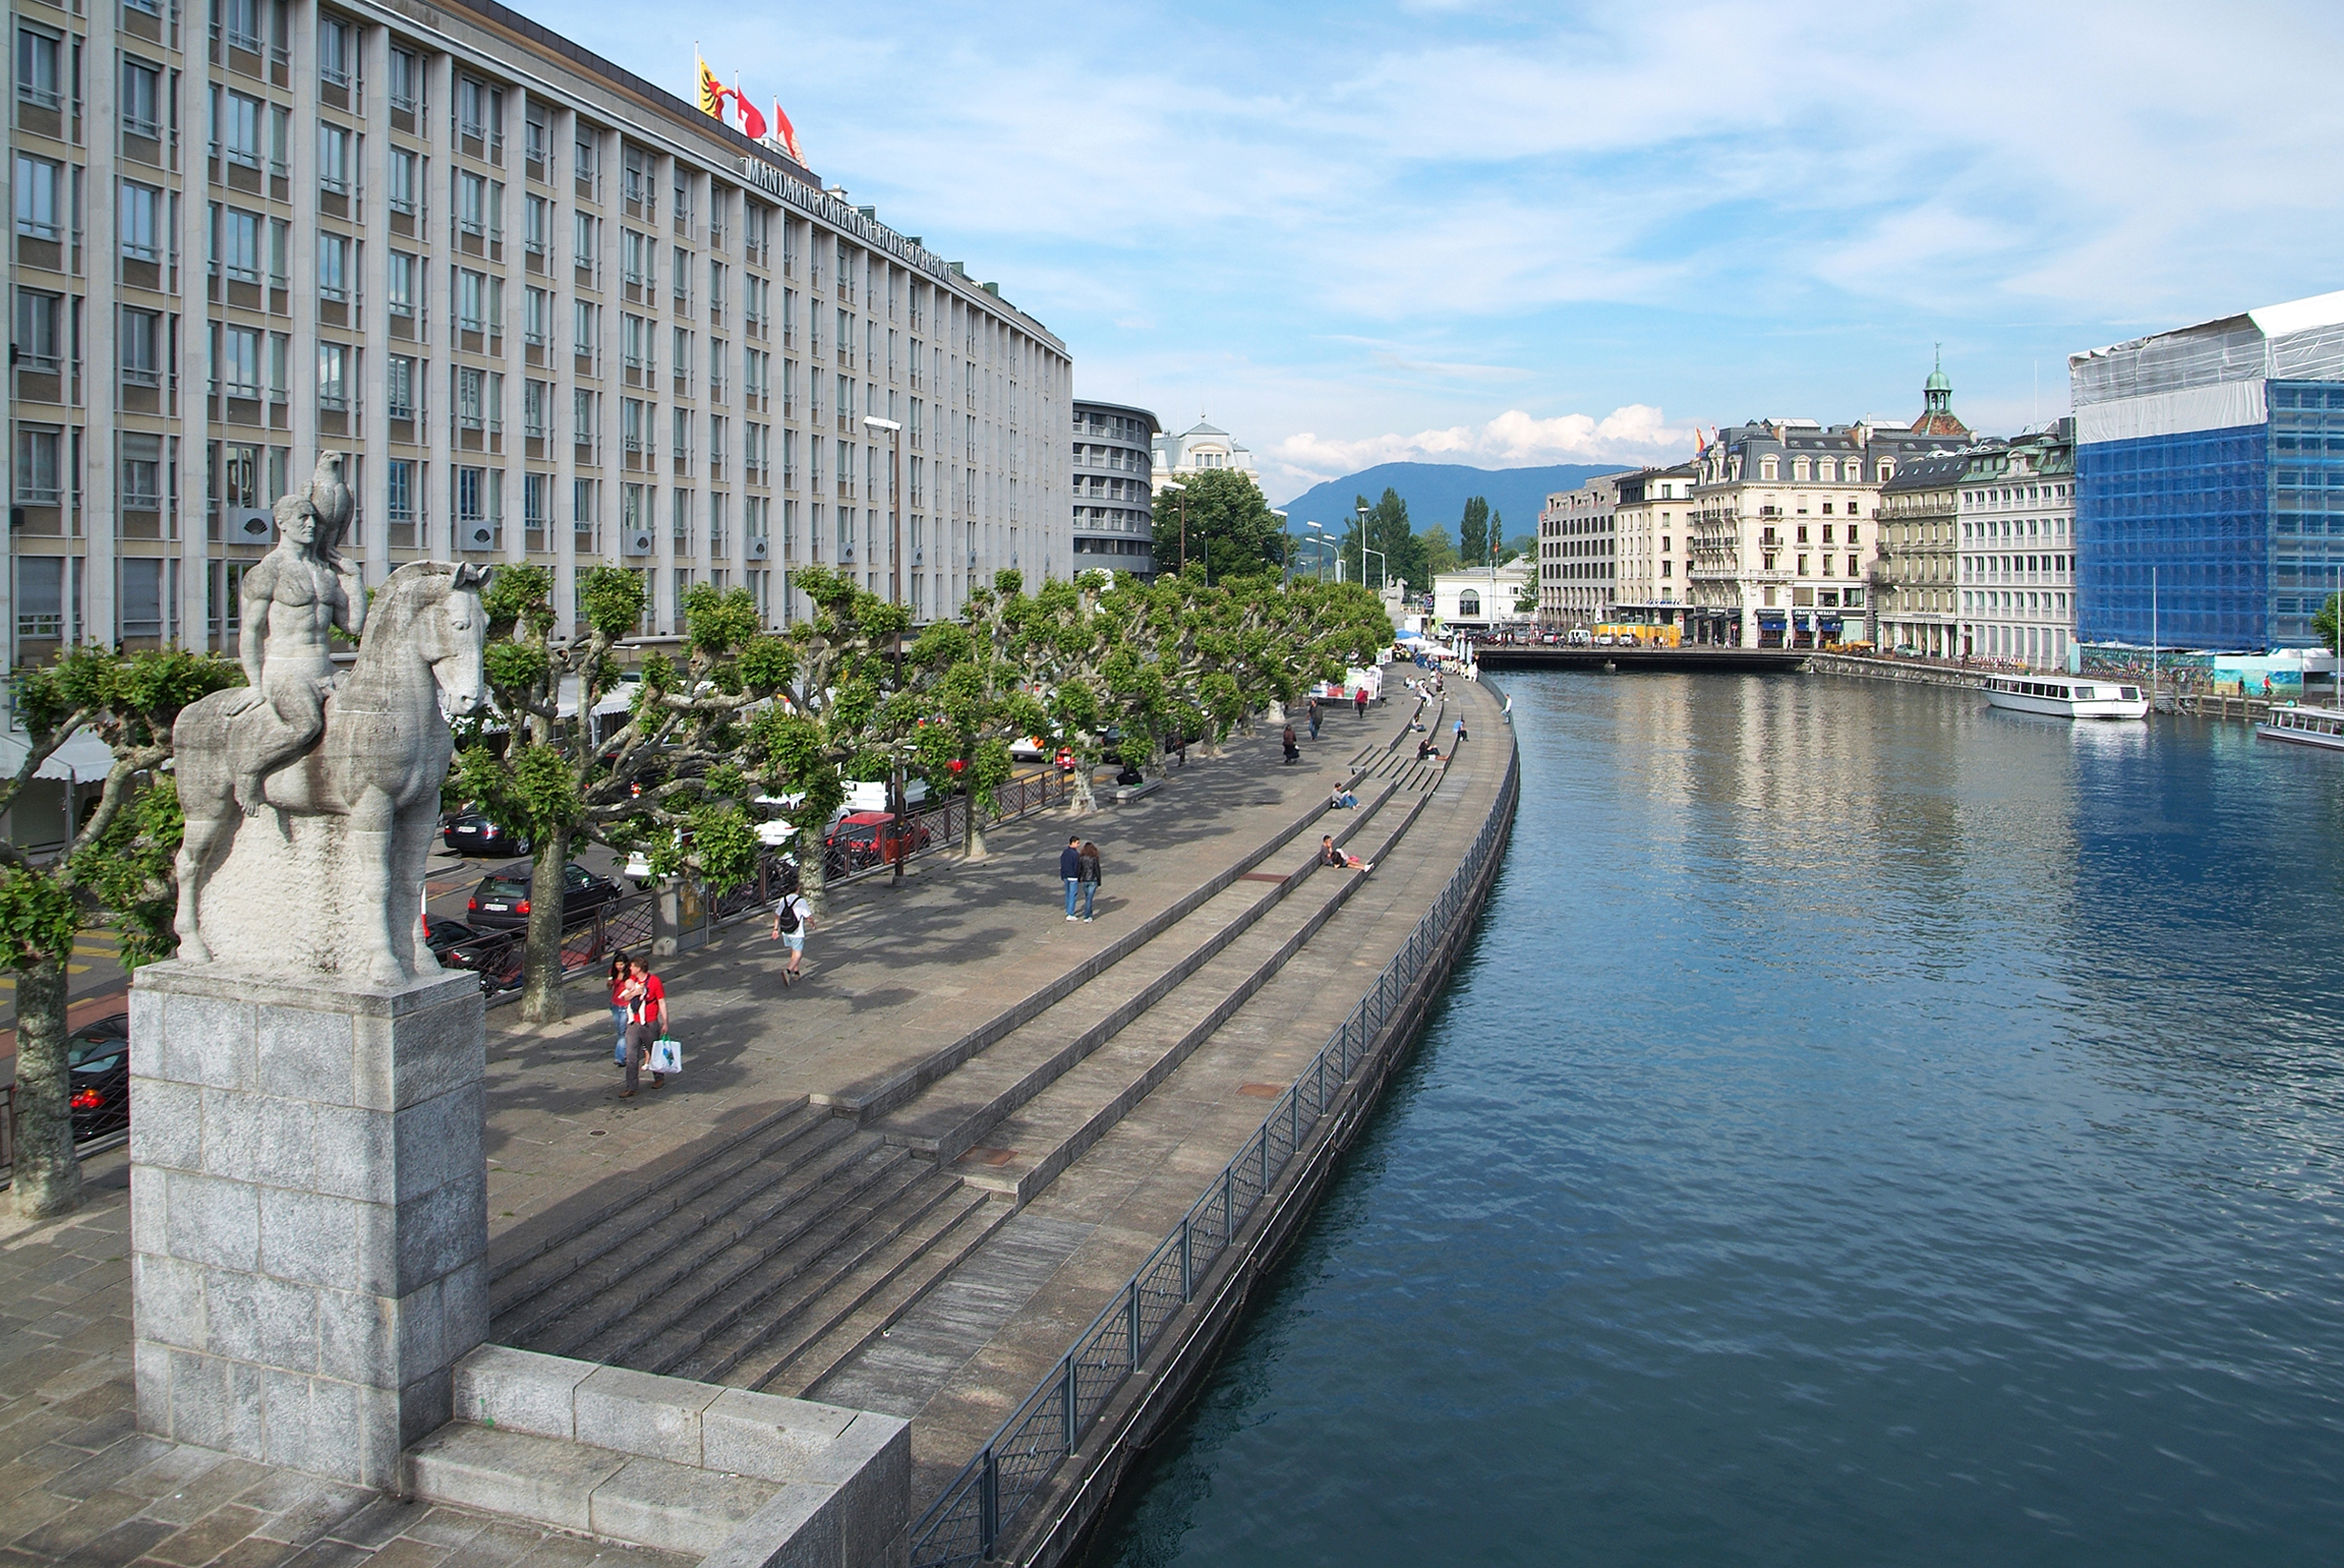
(749, 1480)
(308, 1220)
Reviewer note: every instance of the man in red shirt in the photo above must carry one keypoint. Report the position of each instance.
(646, 1002)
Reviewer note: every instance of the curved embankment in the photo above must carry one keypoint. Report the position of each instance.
(1358, 975)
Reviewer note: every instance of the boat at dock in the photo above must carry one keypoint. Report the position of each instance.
(2305, 726)
(2066, 696)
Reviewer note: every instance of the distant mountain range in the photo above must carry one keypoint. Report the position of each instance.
(1436, 492)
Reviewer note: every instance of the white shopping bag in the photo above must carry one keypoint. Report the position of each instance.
(667, 1056)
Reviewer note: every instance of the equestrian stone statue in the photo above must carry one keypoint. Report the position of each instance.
(351, 766)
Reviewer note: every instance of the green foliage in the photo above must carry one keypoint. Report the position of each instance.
(1473, 531)
(611, 602)
(1439, 554)
(2324, 621)
(131, 868)
(1231, 529)
(724, 843)
(1401, 553)
(39, 917)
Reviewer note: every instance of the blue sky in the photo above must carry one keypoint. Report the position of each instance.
(1503, 234)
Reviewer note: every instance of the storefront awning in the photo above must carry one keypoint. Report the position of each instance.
(83, 760)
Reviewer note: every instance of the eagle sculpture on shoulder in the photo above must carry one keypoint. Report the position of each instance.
(326, 498)
(330, 500)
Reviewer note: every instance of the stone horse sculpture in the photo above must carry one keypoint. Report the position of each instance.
(356, 808)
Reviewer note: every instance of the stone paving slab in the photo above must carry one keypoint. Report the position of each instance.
(80, 1485)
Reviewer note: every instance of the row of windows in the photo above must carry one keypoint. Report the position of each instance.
(1825, 470)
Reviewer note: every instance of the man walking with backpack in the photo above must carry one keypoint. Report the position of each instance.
(791, 919)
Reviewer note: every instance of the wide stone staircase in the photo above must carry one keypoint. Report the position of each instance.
(785, 1248)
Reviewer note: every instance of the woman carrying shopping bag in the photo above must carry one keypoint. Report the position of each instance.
(646, 1023)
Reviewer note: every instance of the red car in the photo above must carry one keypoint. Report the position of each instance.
(864, 838)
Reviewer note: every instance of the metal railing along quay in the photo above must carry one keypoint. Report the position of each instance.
(976, 1512)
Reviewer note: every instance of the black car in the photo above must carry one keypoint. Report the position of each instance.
(468, 833)
(501, 900)
(97, 1059)
(494, 955)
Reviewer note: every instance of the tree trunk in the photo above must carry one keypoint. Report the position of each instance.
(812, 856)
(48, 1179)
(541, 947)
(973, 837)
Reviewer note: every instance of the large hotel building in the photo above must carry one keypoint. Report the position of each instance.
(553, 314)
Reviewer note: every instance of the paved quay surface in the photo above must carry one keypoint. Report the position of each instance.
(80, 1486)
(884, 1215)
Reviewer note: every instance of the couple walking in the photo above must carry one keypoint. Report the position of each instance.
(639, 1007)
(1078, 866)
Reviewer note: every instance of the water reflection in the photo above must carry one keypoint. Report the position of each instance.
(1870, 1127)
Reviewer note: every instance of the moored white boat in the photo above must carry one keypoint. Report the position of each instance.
(2068, 696)
(2305, 726)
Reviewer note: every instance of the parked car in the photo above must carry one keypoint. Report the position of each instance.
(97, 1060)
(501, 900)
(494, 955)
(1030, 748)
(468, 833)
(864, 838)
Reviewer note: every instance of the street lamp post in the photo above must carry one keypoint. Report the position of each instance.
(1363, 546)
(895, 596)
(1317, 553)
(1181, 493)
(1285, 548)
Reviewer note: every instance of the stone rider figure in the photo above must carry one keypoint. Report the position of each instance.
(291, 602)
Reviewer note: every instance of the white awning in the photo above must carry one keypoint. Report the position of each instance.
(83, 760)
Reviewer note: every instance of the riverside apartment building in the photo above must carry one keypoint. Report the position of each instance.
(552, 312)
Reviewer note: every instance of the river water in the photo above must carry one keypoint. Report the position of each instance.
(1867, 1129)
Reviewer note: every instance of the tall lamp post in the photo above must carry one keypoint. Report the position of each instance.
(895, 596)
(1286, 550)
(1181, 493)
(1317, 553)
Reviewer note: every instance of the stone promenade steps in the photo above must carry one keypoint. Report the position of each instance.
(624, 1204)
(1029, 1148)
(869, 1100)
(953, 1115)
(862, 1303)
(564, 1296)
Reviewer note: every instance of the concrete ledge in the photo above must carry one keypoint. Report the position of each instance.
(1124, 794)
(753, 1480)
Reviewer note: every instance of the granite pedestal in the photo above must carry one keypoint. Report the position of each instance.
(308, 1220)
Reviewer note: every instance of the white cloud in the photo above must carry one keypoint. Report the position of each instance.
(1635, 434)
